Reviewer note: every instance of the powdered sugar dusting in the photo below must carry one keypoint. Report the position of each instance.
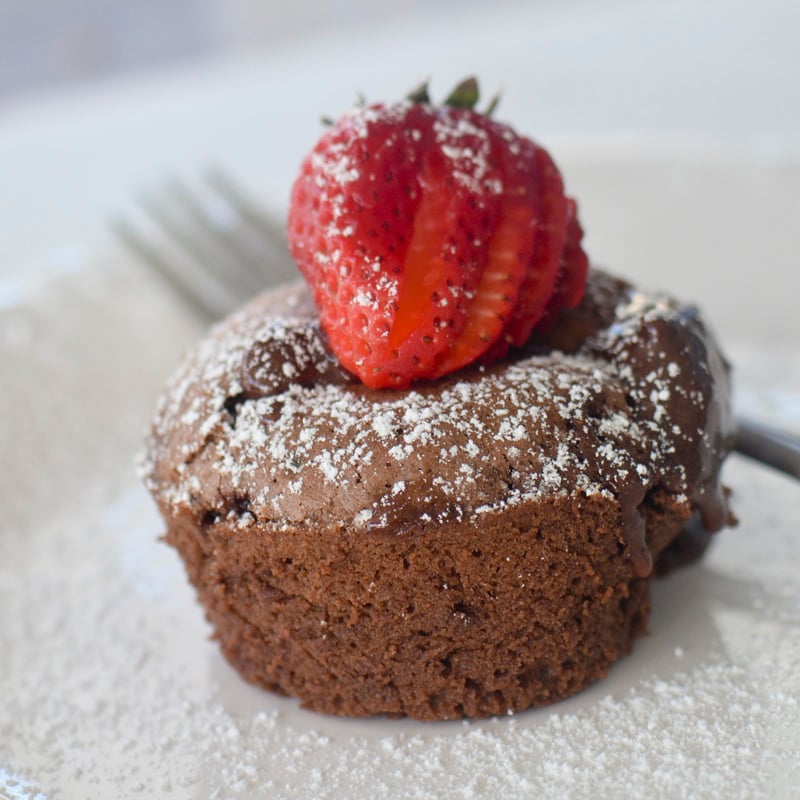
(557, 424)
(469, 148)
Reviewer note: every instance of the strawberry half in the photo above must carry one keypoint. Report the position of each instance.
(431, 237)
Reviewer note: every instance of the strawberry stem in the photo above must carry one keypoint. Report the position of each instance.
(492, 107)
(419, 94)
(465, 95)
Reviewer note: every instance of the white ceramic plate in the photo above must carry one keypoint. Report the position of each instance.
(109, 686)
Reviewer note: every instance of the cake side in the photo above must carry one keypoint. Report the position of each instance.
(520, 609)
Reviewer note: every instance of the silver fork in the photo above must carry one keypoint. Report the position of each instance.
(216, 247)
(211, 244)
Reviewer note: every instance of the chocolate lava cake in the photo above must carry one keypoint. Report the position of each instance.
(470, 546)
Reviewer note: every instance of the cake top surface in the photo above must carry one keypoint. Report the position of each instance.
(626, 394)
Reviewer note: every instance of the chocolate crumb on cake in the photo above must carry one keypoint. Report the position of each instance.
(467, 547)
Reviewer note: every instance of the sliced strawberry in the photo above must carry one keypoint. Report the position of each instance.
(551, 233)
(431, 237)
(446, 260)
(350, 219)
(498, 290)
(422, 307)
(574, 263)
(573, 268)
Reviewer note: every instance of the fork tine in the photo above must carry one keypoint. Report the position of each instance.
(268, 233)
(200, 302)
(248, 263)
(190, 291)
(214, 247)
(201, 247)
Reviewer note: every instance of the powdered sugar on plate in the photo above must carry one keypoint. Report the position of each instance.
(111, 688)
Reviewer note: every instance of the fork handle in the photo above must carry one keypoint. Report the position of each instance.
(776, 448)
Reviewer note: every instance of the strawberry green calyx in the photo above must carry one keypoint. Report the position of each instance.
(420, 94)
(465, 95)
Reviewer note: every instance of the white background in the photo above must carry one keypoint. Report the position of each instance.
(243, 85)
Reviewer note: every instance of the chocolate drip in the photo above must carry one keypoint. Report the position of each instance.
(693, 402)
(633, 527)
(711, 504)
(697, 405)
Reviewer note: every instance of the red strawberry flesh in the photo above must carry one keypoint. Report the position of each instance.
(431, 238)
